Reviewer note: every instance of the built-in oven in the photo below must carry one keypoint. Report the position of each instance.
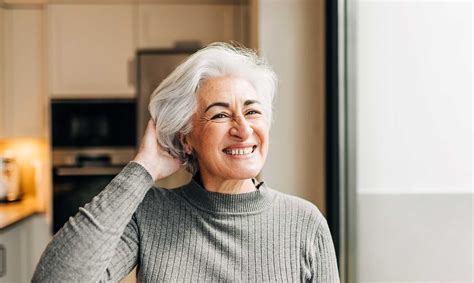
(92, 140)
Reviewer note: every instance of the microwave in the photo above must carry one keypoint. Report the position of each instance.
(83, 123)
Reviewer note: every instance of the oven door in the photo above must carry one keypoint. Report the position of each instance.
(73, 187)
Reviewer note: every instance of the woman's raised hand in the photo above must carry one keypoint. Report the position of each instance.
(153, 157)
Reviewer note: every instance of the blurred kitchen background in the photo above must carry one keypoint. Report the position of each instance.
(373, 117)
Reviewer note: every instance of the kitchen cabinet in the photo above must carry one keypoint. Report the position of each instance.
(24, 105)
(13, 252)
(25, 2)
(2, 66)
(21, 246)
(91, 48)
(162, 25)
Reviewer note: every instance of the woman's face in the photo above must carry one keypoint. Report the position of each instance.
(230, 130)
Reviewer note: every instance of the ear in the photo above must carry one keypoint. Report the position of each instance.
(185, 143)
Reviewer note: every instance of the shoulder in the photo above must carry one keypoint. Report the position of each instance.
(159, 199)
(307, 213)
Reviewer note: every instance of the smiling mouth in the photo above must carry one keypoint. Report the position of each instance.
(240, 151)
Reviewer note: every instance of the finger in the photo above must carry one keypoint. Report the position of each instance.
(151, 122)
(150, 125)
(150, 131)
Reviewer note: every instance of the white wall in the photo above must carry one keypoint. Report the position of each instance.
(291, 36)
(410, 73)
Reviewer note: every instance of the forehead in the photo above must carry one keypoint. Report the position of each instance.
(225, 89)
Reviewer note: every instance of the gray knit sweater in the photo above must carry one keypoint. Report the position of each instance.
(190, 235)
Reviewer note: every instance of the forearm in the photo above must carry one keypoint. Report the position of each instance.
(82, 249)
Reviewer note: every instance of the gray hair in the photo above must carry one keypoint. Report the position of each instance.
(174, 101)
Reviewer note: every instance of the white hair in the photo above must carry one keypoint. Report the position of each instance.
(174, 101)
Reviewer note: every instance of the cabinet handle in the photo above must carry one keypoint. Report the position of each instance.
(3, 260)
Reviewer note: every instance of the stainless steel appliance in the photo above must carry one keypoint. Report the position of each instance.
(10, 189)
(153, 66)
(80, 174)
(92, 140)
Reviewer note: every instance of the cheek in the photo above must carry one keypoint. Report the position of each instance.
(210, 137)
(216, 132)
(262, 130)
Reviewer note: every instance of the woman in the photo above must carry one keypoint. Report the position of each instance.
(213, 116)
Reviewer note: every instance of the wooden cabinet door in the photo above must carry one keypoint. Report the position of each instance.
(162, 25)
(23, 98)
(21, 246)
(14, 253)
(91, 48)
(2, 67)
(38, 235)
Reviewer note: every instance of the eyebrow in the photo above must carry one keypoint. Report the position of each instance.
(227, 105)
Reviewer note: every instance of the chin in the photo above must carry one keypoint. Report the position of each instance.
(242, 174)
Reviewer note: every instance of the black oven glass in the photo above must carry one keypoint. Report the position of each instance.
(93, 123)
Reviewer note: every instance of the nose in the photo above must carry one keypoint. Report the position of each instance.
(241, 128)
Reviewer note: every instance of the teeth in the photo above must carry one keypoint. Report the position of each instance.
(241, 151)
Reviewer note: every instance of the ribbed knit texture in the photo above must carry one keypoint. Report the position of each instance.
(190, 235)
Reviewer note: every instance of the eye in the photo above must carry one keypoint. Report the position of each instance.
(253, 112)
(220, 116)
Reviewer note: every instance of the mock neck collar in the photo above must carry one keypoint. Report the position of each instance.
(244, 203)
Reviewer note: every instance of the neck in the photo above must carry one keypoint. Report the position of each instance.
(227, 186)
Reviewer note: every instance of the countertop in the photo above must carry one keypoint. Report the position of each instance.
(10, 213)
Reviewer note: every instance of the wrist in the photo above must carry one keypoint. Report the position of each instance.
(147, 167)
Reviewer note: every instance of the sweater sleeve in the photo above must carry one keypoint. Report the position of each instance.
(100, 243)
(323, 261)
